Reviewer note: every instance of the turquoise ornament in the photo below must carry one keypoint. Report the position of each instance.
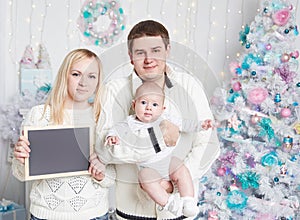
(249, 179)
(267, 130)
(270, 159)
(86, 14)
(243, 35)
(236, 200)
(296, 32)
(277, 98)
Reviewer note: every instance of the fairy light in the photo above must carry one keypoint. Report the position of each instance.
(194, 6)
(29, 20)
(68, 24)
(79, 34)
(296, 9)
(12, 44)
(148, 9)
(44, 15)
(10, 33)
(187, 25)
(175, 31)
(226, 40)
(208, 52)
(162, 12)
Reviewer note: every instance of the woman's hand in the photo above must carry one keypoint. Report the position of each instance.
(22, 149)
(170, 132)
(96, 169)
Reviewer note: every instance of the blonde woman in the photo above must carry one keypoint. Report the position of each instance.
(75, 197)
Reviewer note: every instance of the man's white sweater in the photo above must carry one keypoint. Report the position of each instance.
(184, 97)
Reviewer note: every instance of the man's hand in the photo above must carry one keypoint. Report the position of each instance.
(170, 132)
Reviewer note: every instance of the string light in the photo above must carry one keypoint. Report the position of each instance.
(194, 6)
(162, 12)
(148, 10)
(29, 19)
(226, 40)
(186, 27)
(209, 29)
(11, 31)
(44, 15)
(68, 24)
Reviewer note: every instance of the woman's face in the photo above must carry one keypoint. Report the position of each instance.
(83, 80)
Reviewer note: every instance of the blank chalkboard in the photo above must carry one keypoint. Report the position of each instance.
(57, 151)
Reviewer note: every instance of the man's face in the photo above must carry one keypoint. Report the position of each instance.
(149, 56)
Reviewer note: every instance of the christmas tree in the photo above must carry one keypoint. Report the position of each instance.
(43, 58)
(257, 175)
(27, 61)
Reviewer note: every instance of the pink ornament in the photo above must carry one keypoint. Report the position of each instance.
(295, 54)
(285, 58)
(255, 119)
(213, 215)
(268, 47)
(257, 95)
(285, 112)
(236, 86)
(248, 155)
(281, 17)
(221, 171)
(264, 216)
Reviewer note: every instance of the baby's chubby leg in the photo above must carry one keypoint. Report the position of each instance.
(153, 184)
(181, 177)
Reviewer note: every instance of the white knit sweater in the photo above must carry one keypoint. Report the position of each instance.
(185, 98)
(66, 198)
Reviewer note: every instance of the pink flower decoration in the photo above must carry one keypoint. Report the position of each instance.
(234, 122)
(281, 17)
(257, 95)
(233, 66)
(264, 216)
(212, 215)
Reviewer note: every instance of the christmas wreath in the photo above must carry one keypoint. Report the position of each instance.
(89, 14)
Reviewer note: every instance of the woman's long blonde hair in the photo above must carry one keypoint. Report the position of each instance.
(59, 91)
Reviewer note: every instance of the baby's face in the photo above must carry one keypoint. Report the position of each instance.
(148, 108)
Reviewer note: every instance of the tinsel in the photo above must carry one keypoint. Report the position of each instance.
(10, 117)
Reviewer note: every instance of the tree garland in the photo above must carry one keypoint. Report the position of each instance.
(90, 12)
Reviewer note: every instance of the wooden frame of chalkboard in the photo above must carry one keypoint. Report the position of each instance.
(57, 151)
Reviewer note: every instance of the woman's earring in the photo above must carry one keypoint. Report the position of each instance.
(91, 99)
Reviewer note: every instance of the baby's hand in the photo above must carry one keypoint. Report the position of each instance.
(112, 140)
(22, 149)
(207, 124)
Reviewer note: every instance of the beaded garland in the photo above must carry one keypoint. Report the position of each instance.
(89, 14)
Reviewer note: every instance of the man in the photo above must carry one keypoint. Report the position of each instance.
(148, 48)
